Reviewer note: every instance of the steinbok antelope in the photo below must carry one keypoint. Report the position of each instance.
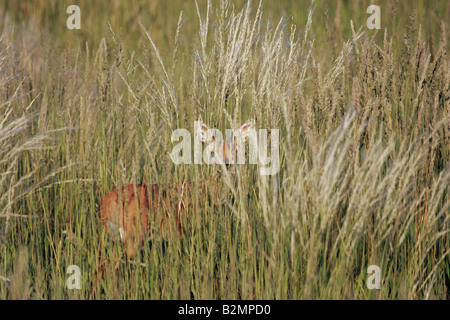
(128, 212)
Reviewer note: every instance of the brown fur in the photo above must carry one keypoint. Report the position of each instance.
(133, 210)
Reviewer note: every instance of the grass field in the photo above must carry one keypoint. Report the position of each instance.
(364, 147)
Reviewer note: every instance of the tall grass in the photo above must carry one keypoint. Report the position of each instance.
(364, 153)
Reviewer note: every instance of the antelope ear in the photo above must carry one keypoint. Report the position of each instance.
(201, 132)
(247, 127)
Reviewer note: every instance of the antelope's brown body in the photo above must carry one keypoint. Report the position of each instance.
(130, 211)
